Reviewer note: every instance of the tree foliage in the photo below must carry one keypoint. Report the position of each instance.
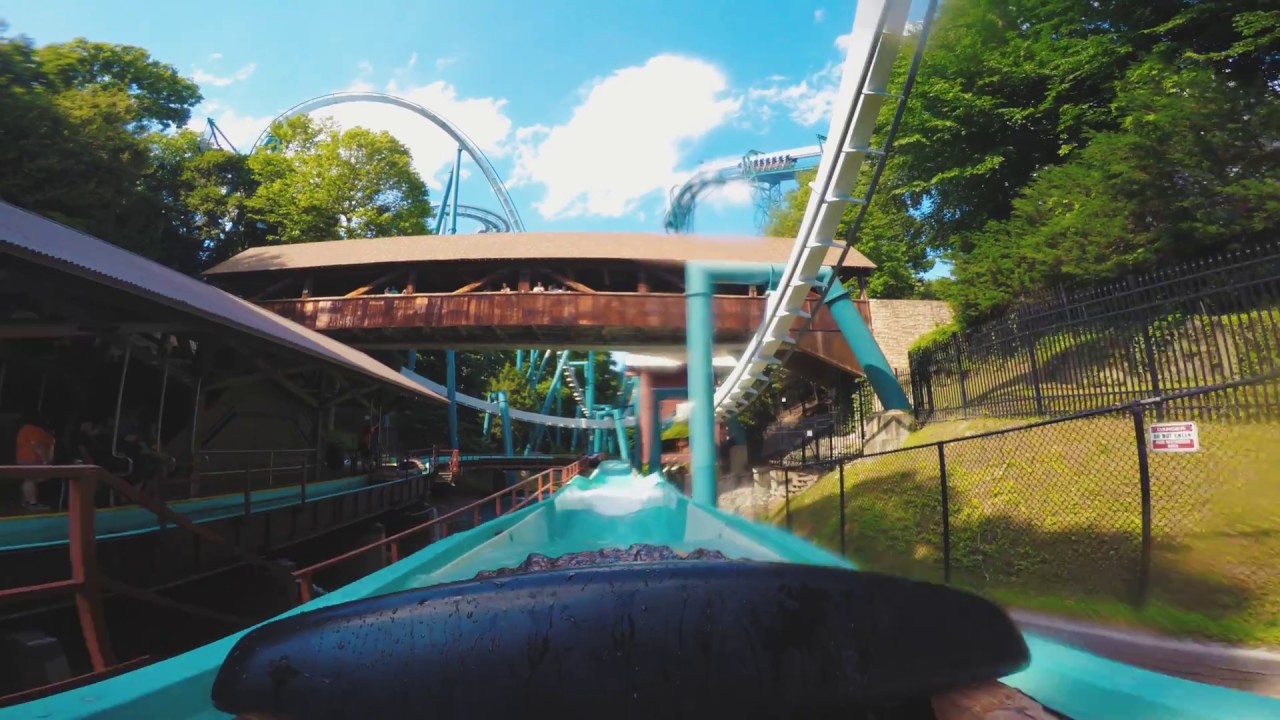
(1070, 141)
(91, 136)
(322, 183)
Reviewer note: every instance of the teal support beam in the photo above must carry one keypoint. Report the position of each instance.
(535, 377)
(488, 397)
(519, 359)
(444, 205)
(700, 279)
(865, 348)
(736, 431)
(453, 209)
(590, 372)
(412, 363)
(507, 436)
(573, 442)
(451, 385)
(552, 393)
(560, 412)
(655, 427)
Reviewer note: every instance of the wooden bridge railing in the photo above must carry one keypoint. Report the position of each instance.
(86, 584)
(535, 487)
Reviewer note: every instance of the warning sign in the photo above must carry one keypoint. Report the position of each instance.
(1174, 437)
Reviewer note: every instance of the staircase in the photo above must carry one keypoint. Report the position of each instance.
(786, 434)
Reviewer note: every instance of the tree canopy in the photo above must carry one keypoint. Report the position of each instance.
(1069, 141)
(91, 135)
(319, 182)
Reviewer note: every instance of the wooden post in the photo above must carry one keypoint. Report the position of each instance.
(84, 571)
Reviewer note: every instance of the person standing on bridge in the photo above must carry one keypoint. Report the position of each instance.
(34, 447)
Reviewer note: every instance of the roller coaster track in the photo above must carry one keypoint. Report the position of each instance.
(765, 171)
(509, 221)
(878, 33)
(453, 131)
(492, 221)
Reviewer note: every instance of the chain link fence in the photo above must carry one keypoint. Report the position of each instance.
(1093, 505)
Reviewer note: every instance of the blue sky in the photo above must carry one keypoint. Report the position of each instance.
(590, 110)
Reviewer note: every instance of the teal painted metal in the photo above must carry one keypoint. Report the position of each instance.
(444, 205)
(519, 359)
(535, 377)
(484, 425)
(865, 348)
(505, 411)
(624, 450)
(451, 383)
(616, 508)
(590, 372)
(30, 532)
(655, 429)
(535, 437)
(560, 412)
(736, 431)
(453, 209)
(700, 279)
(698, 285)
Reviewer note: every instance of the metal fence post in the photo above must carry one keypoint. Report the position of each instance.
(946, 514)
(842, 546)
(1144, 482)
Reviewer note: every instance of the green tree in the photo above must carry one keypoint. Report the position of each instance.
(318, 182)
(71, 122)
(1055, 141)
(1194, 169)
(203, 192)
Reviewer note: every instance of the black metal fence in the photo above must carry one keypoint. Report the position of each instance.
(1092, 504)
(1192, 326)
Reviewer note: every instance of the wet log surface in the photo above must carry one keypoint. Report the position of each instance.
(639, 552)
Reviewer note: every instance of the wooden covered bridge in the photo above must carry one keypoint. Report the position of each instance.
(563, 290)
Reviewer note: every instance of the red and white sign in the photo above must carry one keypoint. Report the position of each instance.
(1174, 437)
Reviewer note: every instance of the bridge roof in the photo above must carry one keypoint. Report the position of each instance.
(637, 247)
(42, 241)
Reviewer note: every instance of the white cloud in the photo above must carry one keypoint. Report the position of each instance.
(819, 15)
(807, 102)
(215, 56)
(729, 195)
(444, 62)
(207, 78)
(413, 60)
(625, 138)
(484, 120)
(844, 42)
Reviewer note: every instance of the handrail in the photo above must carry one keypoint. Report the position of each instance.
(547, 482)
(84, 582)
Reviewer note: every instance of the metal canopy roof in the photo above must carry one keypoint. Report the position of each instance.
(28, 235)
(526, 246)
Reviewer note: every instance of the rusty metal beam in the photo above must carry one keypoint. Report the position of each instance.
(385, 277)
(469, 287)
(571, 283)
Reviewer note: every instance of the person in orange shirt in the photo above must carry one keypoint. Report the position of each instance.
(34, 447)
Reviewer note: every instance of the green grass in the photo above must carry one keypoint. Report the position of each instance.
(1049, 519)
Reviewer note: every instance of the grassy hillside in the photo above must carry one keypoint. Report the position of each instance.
(1050, 519)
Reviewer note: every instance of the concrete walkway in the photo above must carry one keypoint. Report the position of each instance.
(1255, 671)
